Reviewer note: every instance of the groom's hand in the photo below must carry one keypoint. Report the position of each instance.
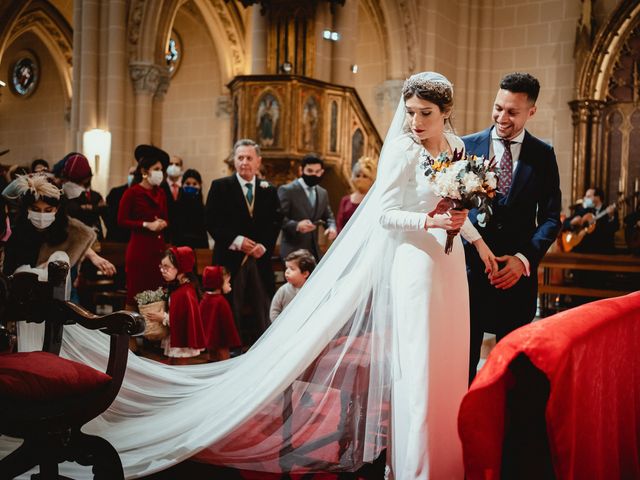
(508, 275)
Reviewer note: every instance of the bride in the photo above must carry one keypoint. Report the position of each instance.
(371, 354)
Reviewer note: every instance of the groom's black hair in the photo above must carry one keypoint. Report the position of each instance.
(521, 83)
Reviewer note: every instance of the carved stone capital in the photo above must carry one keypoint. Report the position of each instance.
(585, 109)
(148, 78)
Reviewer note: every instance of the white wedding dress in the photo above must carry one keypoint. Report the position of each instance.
(371, 353)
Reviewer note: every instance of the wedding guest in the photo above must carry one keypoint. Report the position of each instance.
(215, 312)
(43, 227)
(39, 165)
(602, 239)
(189, 220)
(525, 220)
(143, 210)
(299, 265)
(363, 175)
(187, 338)
(172, 187)
(83, 203)
(116, 233)
(243, 217)
(305, 205)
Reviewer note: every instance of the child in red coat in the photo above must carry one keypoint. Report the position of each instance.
(216, 314)
(187, 338)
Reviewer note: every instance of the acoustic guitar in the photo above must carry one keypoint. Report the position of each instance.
(569, 239)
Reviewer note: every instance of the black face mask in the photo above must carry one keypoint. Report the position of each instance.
(311, 180)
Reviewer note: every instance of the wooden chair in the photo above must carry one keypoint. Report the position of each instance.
(46, 399)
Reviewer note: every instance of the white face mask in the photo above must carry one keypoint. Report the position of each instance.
(72, 190)
(41, 220)
(155, 178)
(129, 179)
(174, 170)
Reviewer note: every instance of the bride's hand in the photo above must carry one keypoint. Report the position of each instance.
(487, 257)
(452, 220)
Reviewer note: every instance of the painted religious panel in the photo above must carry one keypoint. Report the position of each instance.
(357, 146)
(333, 128)
(311, 124)
(267, 121)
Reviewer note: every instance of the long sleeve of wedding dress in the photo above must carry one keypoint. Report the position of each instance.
(394, 216)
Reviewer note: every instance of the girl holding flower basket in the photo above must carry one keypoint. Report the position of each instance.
(186, 338)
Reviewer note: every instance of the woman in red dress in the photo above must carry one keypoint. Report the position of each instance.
(362, 177)
(143, 209)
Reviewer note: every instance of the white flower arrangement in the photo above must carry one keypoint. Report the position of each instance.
(462, 182)
(264, 184)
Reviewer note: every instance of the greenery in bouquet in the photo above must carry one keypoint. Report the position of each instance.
(151, 296)
(463, 181)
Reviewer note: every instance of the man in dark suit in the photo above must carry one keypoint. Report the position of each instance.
(593, 209)
(115, 233)
(243, 217)
(172, 187)
(526, 215)
(305, 205)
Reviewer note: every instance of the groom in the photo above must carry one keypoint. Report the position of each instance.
(526, 215)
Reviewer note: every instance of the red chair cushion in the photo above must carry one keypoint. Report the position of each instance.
(38, 376)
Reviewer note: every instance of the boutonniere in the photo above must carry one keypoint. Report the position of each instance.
(264, 184)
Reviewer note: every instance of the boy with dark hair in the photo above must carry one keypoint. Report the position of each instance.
(299, 265)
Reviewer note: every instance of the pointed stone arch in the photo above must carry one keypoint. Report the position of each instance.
(150, 26)
(51, 28)
(597, 69)
(591, 156)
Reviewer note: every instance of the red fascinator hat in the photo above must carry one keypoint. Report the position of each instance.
(212, 278)
(185, 258)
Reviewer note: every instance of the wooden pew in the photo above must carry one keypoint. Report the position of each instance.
(547, 289)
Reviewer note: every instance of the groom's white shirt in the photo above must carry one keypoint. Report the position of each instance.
(496, 149)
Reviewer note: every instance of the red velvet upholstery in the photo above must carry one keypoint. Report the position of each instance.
(38, 376)
(591, 358)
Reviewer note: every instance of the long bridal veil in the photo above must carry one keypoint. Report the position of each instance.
(312, 394)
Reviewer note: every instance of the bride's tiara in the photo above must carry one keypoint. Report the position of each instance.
(427, 80)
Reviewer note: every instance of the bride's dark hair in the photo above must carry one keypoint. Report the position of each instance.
(434, 91)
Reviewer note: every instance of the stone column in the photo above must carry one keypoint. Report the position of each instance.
(344, 50)
(116, 84)
(77, 62)
(158, 99)
(598, 173)
(580, 118)
(259, 40)
(88, 92)
(146, 79)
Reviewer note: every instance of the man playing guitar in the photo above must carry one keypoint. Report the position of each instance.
(593, 225)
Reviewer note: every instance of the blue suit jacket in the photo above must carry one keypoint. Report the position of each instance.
(528, 219)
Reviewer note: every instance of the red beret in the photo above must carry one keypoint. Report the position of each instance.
(185, 257)
(212, 278)
(76, 168)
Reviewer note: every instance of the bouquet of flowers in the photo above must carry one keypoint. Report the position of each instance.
(152, 301)
(463, 182)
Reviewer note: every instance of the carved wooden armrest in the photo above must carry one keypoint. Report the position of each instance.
(121, 322)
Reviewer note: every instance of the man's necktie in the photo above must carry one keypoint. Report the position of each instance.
(506, 168)
(311, 193)
(249, 192)
(174, 191)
